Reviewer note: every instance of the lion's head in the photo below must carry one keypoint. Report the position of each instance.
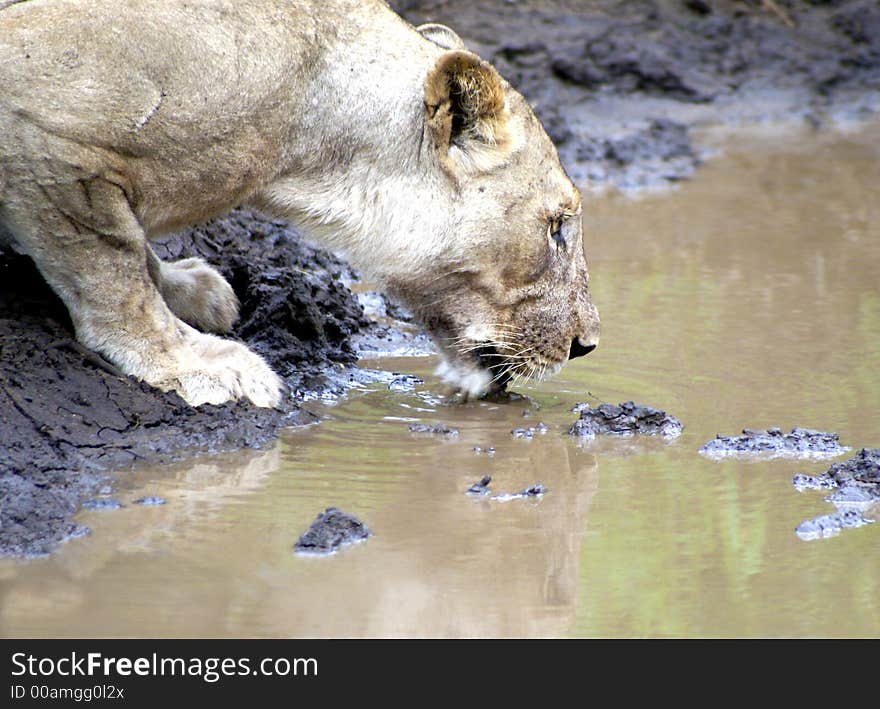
(509, 297)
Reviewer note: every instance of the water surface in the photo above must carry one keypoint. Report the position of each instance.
(749, 297)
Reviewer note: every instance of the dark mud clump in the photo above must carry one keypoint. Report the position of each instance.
(626, 419)
(481, 487)
(438, 429)
(855, 481)
(533, 491)
(150, 501)
(66, 417)
(804, 482)
(863, 468)
(531, 431)
(830, 525)
(404, 382)
(856, 485)
(773, 443)
(295, 310)
(331, 530)
(619, 84)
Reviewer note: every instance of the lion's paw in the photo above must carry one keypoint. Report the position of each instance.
(213, 370)
(199, 295)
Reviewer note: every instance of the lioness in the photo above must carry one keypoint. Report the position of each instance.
(122, 120)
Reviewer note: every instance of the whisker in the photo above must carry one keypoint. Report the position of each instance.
(506, 328)
(482, 345)
(521, 353)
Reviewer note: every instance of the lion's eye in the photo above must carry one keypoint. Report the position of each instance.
(555, 233)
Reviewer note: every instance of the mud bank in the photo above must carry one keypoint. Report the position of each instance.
(66, 419)
(619, 85)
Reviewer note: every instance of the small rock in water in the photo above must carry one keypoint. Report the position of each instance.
(803, 482)
(102, 503)
(626, 419)
(78, 530)
(773, 443)
(149, 501)
(438, 429)
(856, 483)
(536, 490)
(863, 467)
(530, 431)
(331, 529)
(862, 470)
(404, 382)
(830, 525)
(853, 493)
(488, 451)
(481, 487)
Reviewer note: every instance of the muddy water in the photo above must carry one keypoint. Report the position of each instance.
(749, 297)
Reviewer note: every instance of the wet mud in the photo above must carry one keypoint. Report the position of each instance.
(619, 85)
(392, 333)
(830, 525)
(531, 431)
(626, 419)
(773, 443)
(856, 490)
(481, 489)
(855, 481)
(66, 419)
(331, 530)
(439, 429)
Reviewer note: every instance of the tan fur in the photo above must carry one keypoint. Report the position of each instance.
(123, 120)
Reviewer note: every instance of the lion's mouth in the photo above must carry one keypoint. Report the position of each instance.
(477, 371)
(484, 368)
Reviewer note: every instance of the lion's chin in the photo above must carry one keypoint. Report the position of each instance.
(465, 377)
(487, 372)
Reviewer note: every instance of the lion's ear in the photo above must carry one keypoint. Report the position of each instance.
(466, 113)
(440, 35)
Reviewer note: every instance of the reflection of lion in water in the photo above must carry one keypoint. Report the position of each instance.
(218, 557)
(120, 121)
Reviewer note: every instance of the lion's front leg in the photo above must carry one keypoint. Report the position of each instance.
(90, 248)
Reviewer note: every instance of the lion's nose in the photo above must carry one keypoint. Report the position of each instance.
(579, 350)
